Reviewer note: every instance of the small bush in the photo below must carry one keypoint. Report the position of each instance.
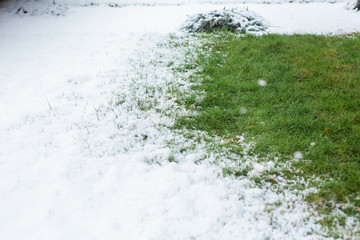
(232, 20)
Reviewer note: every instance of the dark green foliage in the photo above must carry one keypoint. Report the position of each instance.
(357, 6)
(229, 20)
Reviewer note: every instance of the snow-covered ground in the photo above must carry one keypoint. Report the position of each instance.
(86, 106)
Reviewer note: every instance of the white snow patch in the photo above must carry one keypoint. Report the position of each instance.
(298, 155)
(262, 82)
(259, 168)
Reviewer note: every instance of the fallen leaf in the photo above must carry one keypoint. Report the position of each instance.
(273, 180)
(252, 127)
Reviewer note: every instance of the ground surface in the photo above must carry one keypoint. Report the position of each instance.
(81, 157)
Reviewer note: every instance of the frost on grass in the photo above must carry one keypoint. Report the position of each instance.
(241, 20)
(243, 110)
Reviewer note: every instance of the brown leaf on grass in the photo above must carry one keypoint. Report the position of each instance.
(273, 180)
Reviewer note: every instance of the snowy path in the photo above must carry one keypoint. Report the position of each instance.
(81, 159)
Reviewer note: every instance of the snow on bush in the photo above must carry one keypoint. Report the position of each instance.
(34, 8)
(352, 4)
(234, 19)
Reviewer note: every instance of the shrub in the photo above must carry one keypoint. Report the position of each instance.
(227, 19)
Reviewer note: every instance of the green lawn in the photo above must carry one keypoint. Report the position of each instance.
(310, 103)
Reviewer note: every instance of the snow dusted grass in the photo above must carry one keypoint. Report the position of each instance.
(181, 172)
(161, 81)
(100, 159)
(293, 95)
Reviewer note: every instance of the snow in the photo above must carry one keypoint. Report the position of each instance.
(85, 143)
(298, 155)
(262, 82)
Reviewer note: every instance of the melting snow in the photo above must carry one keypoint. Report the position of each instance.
(298, 155)
(243, 110)
(262, 82)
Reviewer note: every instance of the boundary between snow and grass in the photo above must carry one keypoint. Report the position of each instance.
(143, 111)
(324, 130)
(162, 84)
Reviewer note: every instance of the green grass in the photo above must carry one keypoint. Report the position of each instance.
(312, 96)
